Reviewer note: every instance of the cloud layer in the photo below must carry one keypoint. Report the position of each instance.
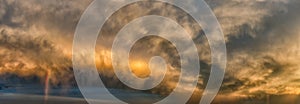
(262, 39)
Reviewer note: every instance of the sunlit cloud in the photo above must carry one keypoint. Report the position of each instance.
(262, 39)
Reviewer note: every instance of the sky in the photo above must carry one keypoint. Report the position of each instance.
(262, 40)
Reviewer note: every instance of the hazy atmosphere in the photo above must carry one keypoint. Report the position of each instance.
(262, 40)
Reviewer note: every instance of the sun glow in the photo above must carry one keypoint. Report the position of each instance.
(140, 68)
